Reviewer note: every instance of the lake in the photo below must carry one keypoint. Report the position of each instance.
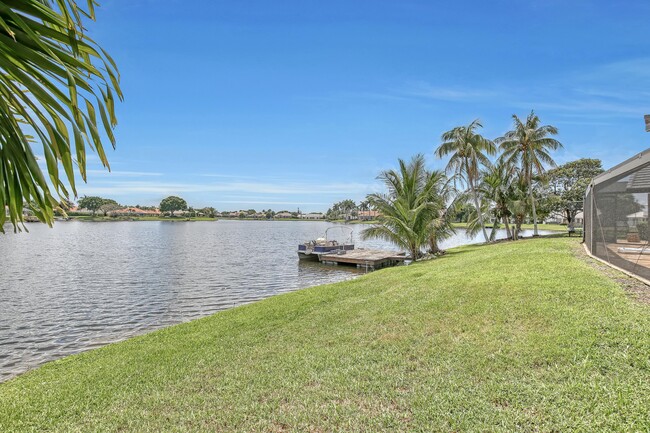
(82, 285)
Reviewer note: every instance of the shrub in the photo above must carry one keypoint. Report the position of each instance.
(642, 227)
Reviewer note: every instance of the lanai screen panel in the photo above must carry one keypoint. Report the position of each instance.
(617, 213)
(587, 222)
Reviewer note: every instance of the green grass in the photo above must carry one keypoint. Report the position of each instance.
(550, 227)
(516, 336)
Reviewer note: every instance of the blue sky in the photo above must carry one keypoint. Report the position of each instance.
(290, 104)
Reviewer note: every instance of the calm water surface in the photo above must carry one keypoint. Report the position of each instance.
(81, 285)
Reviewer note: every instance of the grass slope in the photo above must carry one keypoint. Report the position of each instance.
(516, 336)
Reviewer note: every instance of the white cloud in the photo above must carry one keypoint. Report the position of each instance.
(628, 70)
(614, 89)
(226, 176)
(123, 173)
(289, 188)
(585, 106)
(423, 89)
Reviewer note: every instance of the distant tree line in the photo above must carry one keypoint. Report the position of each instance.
(348, 210)
(171, 206)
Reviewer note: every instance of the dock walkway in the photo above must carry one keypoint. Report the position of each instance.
(362, 258)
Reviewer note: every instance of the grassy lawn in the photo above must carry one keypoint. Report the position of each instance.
(519, 336)
(552, 227)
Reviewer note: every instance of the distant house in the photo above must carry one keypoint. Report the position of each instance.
(637, 217)
(555, 218)
(579, 219)
(134, 211)
(313, 216)
(366, 215)
(79, 210)
(283, 215)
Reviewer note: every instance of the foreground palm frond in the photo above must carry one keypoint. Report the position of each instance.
(57, 87)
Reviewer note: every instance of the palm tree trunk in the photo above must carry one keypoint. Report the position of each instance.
(476, 202)
(478, 211)
(532, 202)
(414, 253)
(505, 221)
(493, 232)
(433, 245)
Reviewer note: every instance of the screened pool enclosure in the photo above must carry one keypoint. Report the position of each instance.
(616, 215)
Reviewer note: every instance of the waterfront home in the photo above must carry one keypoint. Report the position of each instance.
(367, 215)
(283, 215)
(79, 210)
(134, 211)
(313, 216)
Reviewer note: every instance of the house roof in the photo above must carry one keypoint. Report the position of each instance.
(369, 213)
(640, 214)
(624, 167)
(640, 180)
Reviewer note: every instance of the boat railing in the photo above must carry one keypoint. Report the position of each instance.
(340, 227)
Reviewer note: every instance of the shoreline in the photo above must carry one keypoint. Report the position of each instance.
(541, 226)
(389, 342)
(128, 334)
(90, 218)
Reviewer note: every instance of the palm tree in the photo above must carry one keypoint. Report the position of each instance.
(445, 199)
(469, 151)
(410, 206)
(518, 203)
(528, 145)
(474, 217)
(55, 83)
(364, 205)
(497, 186)
(442, 227)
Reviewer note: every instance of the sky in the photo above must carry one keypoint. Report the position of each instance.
(299, 104)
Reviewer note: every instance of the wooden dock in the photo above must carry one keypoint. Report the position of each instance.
(362, 258)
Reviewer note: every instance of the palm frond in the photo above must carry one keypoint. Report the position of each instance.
(410, 210)
(58, 83)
